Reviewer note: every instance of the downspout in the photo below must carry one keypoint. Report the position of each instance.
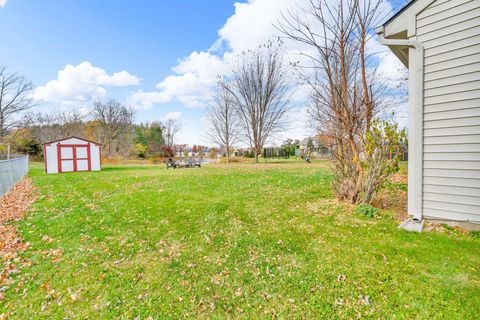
(415, 124)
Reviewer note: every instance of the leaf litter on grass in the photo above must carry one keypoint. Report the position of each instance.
(13, 206)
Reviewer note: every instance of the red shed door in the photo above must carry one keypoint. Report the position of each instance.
(73, 158)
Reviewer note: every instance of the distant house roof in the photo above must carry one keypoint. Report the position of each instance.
(320, 139)
(70, 137)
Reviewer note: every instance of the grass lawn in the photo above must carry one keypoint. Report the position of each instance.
(246, 241)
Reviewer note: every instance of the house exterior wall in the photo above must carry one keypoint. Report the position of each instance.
(51, 154)
(450, 34)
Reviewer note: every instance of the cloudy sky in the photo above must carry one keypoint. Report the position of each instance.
(160, 56)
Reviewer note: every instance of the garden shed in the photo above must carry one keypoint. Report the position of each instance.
(72, 154)
(439, 42)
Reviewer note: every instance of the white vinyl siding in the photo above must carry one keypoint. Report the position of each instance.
(450, 33)
(452, 46)
(453, 80)
(454, 114)
(450, 106)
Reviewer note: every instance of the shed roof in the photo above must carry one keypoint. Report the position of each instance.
(70, 137)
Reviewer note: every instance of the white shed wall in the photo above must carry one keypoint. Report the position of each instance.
(51, 160)
(450, 33)
(95, 157)
(51, 156)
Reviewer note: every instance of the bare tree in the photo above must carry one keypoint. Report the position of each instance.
(222, 119)
(15, 98)
(346, 92)
(56, 125)
(70, 121)
(171, 129)
(114, 120)
(260, 88)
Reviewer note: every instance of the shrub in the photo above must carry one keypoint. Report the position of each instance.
(361, 169)
(141, 150)
(382, 144)
(366, 210)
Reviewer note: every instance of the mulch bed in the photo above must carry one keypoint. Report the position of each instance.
(13, 206)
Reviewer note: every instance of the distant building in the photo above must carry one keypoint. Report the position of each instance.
(321, 145)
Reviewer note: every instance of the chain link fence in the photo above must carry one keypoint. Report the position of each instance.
(12, 171)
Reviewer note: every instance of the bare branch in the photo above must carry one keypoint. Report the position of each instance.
(260, 93)
(113, 118)
(222, 118)
(14, 99)
(346, 93)
(171, 129)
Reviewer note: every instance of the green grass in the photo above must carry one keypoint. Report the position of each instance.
(249, 241)
(403, 167)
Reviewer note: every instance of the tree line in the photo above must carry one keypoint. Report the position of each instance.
(108, 122)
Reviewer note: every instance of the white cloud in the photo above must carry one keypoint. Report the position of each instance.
(253, 23)
(297, 127)
(192, 82)
(389, 66)
(391, 69)
(82, 83)
(3, 3)
(145, 99)
(173, 115)
(194, 78)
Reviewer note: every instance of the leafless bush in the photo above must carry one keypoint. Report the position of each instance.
(346, 92)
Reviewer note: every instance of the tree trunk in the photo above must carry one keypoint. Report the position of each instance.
(366, 95)
(228, 153)
(109, 147)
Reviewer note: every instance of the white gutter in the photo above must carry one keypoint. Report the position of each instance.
(415, 125)
(403, 43)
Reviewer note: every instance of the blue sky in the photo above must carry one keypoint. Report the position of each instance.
(143, 37)
(160, 56)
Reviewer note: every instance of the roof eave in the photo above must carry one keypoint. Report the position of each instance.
(403, 25)
(404, 22)
(71, 137)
